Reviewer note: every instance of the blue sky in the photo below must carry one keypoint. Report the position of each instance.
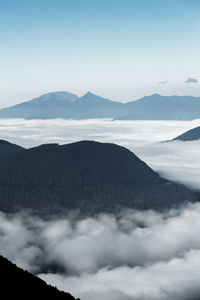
(122, 50)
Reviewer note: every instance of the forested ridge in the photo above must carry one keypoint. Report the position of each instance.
(89, 176)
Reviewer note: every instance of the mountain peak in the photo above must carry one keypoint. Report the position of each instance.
(91, 98)
(156, 95)
(89, 94)
(56, 96)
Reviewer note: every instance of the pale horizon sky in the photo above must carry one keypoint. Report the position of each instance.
(121, 50)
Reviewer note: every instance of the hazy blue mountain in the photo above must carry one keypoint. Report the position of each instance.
(92, 106)
(19, 284)
(157, 107)
(7, 149)
(67, 105)
(49, 105)
(64, 105)
(190, 135)
(89, 176)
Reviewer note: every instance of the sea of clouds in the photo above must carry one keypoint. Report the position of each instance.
(178, 160)
(134, 255)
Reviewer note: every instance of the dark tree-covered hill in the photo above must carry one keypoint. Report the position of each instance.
(19, 284)
(89, 176)
(7, 149)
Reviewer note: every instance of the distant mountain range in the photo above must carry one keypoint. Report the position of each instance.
(69, 106)
(190, 135)
(19, 284)
(87, 176)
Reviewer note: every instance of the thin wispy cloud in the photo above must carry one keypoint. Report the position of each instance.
(164, 82)
(191, 80)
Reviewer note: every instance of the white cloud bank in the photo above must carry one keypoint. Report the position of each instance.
(135, 255)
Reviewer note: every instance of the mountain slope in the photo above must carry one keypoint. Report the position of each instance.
(190, 135)
(19, 284)
(89, 176)
(7, 149)
(69, 106)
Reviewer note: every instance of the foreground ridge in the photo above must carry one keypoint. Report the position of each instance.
(19, 284)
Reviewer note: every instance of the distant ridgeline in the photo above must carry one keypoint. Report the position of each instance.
(19, 284)
(87, 176)
(190, 135)
(69, 106)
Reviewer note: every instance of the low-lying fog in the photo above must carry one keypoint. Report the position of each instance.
(135, 255)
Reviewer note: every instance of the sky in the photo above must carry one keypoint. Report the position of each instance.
(119, 49)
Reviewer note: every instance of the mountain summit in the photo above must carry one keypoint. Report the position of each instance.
(57, 96)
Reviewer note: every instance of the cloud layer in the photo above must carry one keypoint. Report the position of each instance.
(135, 255)
(178, 161)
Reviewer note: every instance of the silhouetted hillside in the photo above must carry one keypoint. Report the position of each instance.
(89, 176)
(19, 284)
(69, 106)
(7, 149)
(190, 135)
